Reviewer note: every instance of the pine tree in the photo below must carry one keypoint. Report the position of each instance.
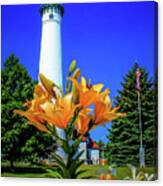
(19, 140)
(124, 136)
(102, 148)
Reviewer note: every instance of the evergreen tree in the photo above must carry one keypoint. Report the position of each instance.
(19, 140)
(124, 136)
(102, 146)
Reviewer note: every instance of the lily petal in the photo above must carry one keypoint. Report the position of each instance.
(98, 87)
(87, 98)
(39, 126)
(32, 117)
(48, 85)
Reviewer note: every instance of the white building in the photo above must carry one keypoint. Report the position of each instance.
(91, 151)
(95, 154)
(51, 52)
(83, 147)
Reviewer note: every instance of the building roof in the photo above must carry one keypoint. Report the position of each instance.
(95, 145)
(84, 139)
(45, 7)
(90, 143)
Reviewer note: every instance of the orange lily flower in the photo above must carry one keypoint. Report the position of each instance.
(108, 176)
(83, 120)
(39, 91)
(39, 126)
(35, 107)
(47, 106)
(48, 85)
(76, 74)
(40, 97)
(34, 119)
(103, 111)
(81, 95)
(104, 97)
(86, 87)
(104, 114)
(59, 114)
(102, 176)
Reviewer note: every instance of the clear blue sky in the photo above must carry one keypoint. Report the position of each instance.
(104, 38)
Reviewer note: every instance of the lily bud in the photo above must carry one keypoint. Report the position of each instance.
(89, 84)
(72, 66)
(48, 85)
(75, 93)
(76, 73)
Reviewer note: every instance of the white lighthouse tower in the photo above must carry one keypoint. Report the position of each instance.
(51, 55)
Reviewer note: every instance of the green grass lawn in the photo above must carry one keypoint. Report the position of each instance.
(23, 170)
(122, 172)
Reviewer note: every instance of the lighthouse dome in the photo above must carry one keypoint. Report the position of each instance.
(57, 8)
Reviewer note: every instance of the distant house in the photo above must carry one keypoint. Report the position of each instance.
(95, 154)
(83, 147)
(91, 154)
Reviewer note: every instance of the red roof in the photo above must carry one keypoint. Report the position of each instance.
(84, 139)
(95, 145)
(92, 145)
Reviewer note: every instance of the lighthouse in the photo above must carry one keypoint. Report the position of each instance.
(50, 63)
(50, 52)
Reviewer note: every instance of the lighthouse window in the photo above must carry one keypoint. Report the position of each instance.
(51, 16)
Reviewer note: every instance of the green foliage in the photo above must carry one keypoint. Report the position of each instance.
(19, 140)
(102, 145)
(37, 145)
(124, 135)
(35, 171)
(68, 166)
